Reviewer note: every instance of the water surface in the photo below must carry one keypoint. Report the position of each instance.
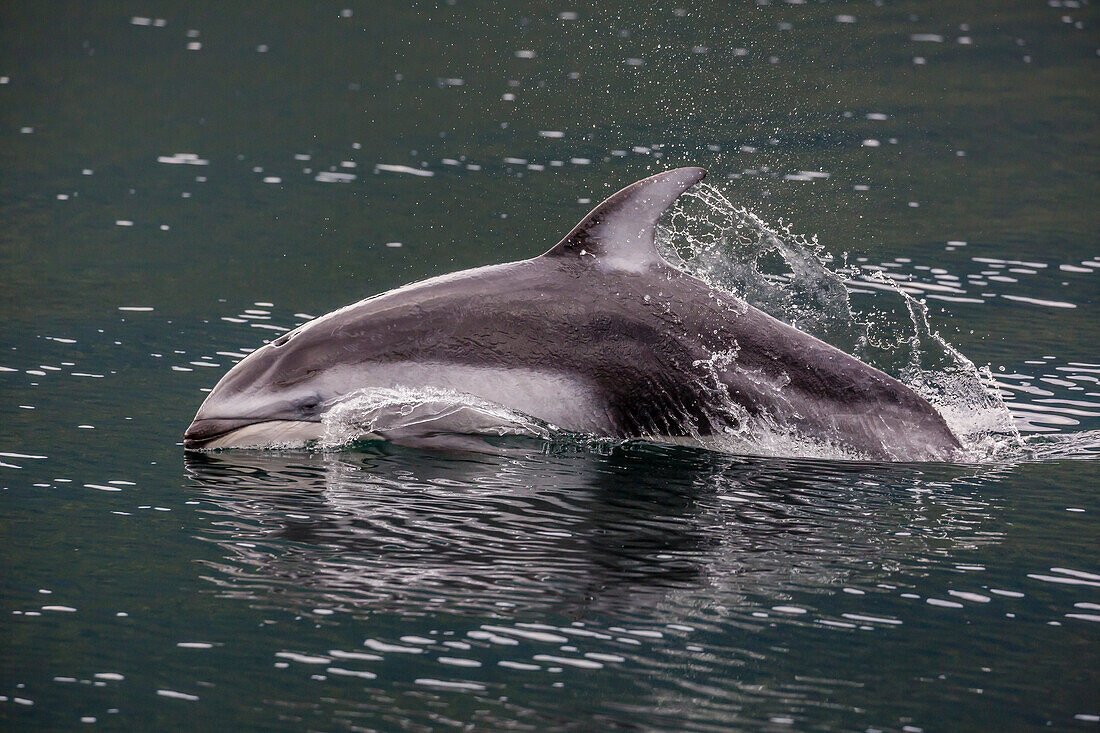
(183, 183)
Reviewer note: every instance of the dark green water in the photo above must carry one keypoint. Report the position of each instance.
(179, 183)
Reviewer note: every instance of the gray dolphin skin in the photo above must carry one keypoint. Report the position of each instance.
(599, 335)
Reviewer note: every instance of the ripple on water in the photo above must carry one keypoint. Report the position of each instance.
(457, 539)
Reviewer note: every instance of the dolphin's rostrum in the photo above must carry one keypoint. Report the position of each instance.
(598, 335)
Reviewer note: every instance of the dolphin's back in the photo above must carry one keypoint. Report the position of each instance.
(653, 353)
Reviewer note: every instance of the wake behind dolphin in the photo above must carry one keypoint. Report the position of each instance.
(599, 335)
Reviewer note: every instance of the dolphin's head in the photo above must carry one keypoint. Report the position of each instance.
(276, 394)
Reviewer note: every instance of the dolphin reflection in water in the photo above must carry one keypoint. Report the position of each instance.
(389, 528)
(599, 335)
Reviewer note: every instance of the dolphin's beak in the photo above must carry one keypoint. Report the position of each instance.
(204, 430)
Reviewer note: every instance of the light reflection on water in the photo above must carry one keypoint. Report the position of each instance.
(397, 529)
(483, 573)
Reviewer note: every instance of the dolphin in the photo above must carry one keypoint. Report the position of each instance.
(599, 335)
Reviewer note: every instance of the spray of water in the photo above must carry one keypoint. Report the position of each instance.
(422, 415)
(791, 277)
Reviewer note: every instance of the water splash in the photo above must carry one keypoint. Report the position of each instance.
(781, 272)
(790, 276)
(427, 417)
(965, 395)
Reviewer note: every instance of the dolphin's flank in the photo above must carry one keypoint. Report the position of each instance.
(598, 335)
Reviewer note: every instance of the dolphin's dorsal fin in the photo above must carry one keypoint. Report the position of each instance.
(619, 232)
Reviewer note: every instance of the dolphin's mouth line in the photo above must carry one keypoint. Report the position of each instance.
(205, 432)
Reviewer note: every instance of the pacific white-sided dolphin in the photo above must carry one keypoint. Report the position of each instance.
(598, 335)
